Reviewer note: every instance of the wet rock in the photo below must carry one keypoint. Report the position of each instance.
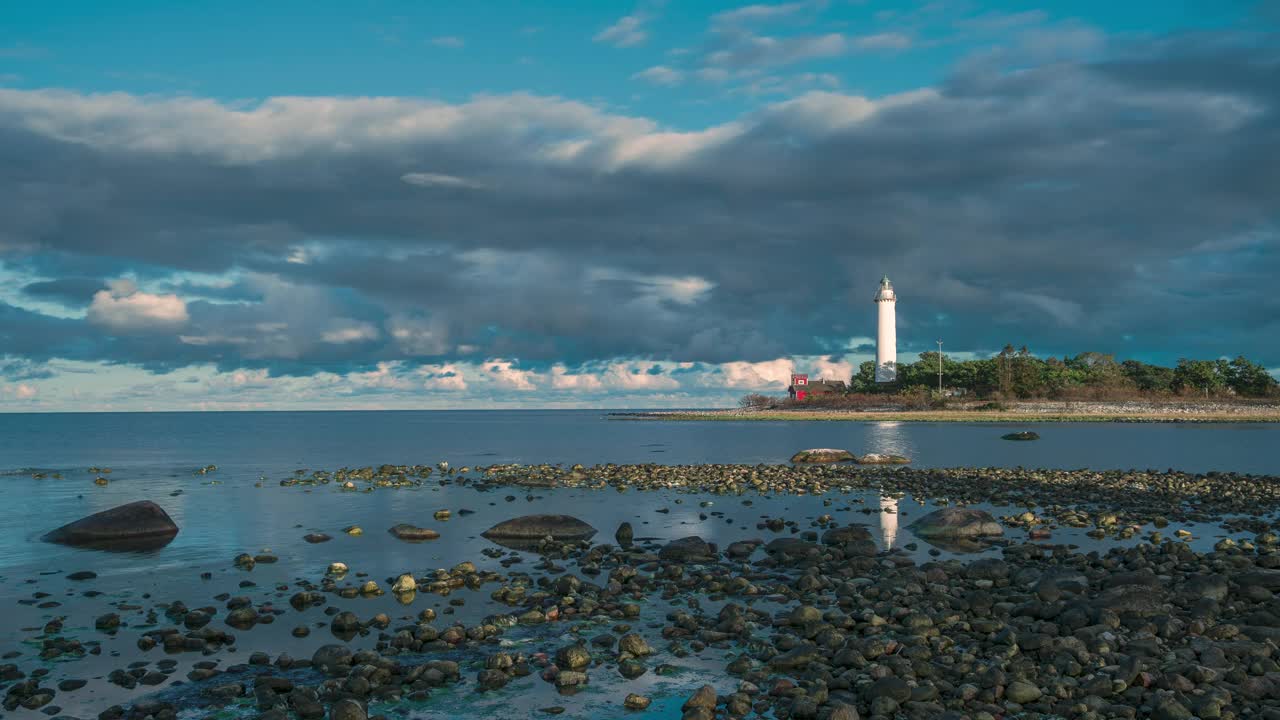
(347, 709)
(412, 533)
(344, 623)
(82, 575)
(138, 525)
(1023, 436)
(687, 549)
(330, 658)
(822, 455)
(536, 527)
(636, 702)
(1022, 692)
(624, 536)
(404, 584)
(573, 657)
(956, 522)
(315, 538)
(634, 644)
(882, 459)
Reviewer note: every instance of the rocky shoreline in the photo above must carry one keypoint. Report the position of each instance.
(1185, 411)
(810, 619)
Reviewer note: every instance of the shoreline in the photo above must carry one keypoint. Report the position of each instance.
(1027, 412)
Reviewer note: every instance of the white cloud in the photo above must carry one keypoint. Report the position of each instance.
(419, 336)
(439, 180)
(763, 12)
(660, 75)
(505, 374)
(628, 31)
(448, 41)
(636, 376)
(124, 308)
(25, 392)
(443, 377)
(350, 332)
(883, 41)
(769, 374)
(561, 379)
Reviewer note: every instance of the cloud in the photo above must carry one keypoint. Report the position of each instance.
(443, 377)
(448, 41)
(770, 374)
(882, 41)
(351, 333)
(628, 31)
(505, 374)
(1003, 202)
(123, 308)
(561, 379)
(760, 13)
(660, 75)
(438, 180)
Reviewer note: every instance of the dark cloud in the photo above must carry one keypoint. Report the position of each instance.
(71, 291)
(1127, 204)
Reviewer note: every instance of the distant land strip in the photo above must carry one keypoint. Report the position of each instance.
(1127, 412)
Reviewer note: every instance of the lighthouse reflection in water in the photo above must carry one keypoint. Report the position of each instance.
(888, 437)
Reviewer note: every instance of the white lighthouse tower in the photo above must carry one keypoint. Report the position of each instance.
(887, 333)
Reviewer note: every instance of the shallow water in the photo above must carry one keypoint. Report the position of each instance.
(243, 508)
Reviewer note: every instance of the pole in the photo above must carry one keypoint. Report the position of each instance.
(939, 367)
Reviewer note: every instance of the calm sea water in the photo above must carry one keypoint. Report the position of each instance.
(242, 508)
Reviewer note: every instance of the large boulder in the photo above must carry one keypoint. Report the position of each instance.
(882, 459)
(141, 525)
(822, 455)
(688, 549)
(956, 522)
(413, 533)
(536, 527)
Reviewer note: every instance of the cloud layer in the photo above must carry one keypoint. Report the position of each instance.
(1123, 202)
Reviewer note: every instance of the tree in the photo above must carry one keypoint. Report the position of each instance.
(1249, 379)
(864, 381)
(1148, 378)
(1198, 376)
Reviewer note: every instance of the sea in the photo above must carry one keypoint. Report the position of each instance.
(49, 464)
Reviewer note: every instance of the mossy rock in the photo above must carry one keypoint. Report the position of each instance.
(822, 455)
(1024, 435)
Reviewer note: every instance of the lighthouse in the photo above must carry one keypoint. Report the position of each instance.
(886, 334)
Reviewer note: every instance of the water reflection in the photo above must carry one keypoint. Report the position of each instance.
(888, 438)
(888, 520)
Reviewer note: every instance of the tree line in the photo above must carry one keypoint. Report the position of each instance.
(1019, 374)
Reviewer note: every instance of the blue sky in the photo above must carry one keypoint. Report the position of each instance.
(386, 204)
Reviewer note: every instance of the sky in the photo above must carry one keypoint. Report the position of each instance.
(360, 205)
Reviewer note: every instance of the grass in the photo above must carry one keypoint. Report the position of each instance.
(969, 416)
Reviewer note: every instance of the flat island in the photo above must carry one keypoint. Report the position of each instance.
(1019, 412)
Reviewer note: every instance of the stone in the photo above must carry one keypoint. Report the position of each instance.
(635, 702)
(1023, 436)
(704, 698)
(847, 534)
(537, 527)
(139, 525)
(822, 455)
(956, 522)
(624, 536)
(687, 549)
(315, 538)
(882, 459)
(347, 709)
(634, 644)
(1022, 692)
(328, 658)
(573, 657)
(412, 533)
(404, 584)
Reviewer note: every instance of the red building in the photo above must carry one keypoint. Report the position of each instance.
(802, 389)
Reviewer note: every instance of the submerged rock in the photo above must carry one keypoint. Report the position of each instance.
(536, 527)
(1024, 435)
(624, 535)
(688, 549)
(139, 525)
(882, 459)
(822, 455)
(955, 522)
(413, 533)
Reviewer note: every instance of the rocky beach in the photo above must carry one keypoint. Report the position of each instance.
(827, 591)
